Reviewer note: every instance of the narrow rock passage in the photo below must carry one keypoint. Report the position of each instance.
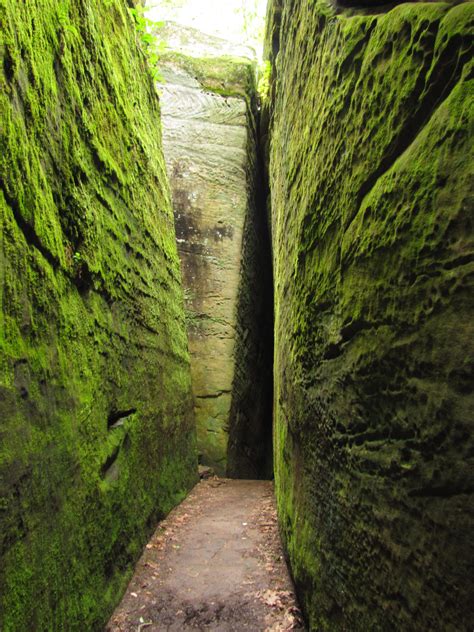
(215, 563)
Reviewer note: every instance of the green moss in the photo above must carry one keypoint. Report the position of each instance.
(371, 142)
(91, 318)
(226, 75)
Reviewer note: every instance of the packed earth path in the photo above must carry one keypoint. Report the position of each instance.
(215, 563)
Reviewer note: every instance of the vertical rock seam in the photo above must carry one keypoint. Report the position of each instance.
(369, 158)
(97, 438)
(249, 452)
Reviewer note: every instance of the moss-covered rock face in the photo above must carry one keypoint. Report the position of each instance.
(209, 136)
(96, 424)
(371, 147)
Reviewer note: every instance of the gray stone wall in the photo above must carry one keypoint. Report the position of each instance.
(209, 146)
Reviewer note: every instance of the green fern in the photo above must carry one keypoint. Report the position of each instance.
(65, 21)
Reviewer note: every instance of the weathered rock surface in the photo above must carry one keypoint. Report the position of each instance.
(371, 194)
(209, 140)
(214, 564)
(96, 426)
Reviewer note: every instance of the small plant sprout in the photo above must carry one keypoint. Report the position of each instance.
(151, 46)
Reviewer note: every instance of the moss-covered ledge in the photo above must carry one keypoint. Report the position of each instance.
(226, 75)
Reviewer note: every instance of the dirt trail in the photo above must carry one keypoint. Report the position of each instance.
(215, 563)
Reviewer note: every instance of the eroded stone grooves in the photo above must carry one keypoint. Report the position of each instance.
(427, 101)
(28, 231)
(369, 154)
(96, 424)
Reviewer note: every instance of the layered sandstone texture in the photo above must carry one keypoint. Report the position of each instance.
(371, 141)
(209, 138)
(96, 420)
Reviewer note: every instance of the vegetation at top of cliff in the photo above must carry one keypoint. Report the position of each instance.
(147, 34)
(253, 22)
(169, 4)
(264, 77)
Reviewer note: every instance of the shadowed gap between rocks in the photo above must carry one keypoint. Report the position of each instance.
(250, 452)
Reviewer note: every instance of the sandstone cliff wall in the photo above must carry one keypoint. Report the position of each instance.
(209, 135)
(96, 425)
(370, 158)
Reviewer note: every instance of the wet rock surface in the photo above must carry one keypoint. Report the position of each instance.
(215, 563)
